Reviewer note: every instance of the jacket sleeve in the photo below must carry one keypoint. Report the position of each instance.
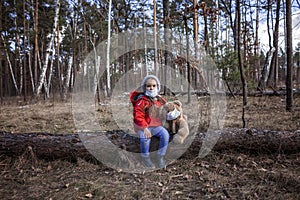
(139, 114)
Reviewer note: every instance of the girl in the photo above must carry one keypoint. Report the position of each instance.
(147, 122)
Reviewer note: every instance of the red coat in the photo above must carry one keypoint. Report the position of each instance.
(145, 111)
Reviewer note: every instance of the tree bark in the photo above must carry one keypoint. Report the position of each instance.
(240, 59)
(70, 147)
(289, 59)
(67, 78)
(44, 145)
(50, 51)
(274, 63)
(108, 82)
(256, 46)
(1, 52)
(187, 57)
(196, 39)
(10, 65)
(36, 44)
(266, 69)
(155, 39)
(167, 39)
(24, 51)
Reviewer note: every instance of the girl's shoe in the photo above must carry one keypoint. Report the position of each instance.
(161, 162)
(147, 162)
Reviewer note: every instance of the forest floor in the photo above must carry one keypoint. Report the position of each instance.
(219, 175)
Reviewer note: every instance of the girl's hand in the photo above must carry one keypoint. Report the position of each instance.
(147, 133)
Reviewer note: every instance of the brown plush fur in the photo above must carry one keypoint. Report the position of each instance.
(178, 126)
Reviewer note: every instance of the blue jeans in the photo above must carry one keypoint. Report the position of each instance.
(159, 132)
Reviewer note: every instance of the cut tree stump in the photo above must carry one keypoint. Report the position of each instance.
(70, 146)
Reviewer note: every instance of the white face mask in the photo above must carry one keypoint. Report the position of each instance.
(151, 93)
(173, 114)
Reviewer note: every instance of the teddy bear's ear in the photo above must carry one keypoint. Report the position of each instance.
(178, 103)
(167, 105)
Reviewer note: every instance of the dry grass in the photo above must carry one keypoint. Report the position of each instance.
(220, 175)
(56, 117)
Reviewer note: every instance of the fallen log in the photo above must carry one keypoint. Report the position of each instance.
(43, 145)
(71, 146)
(254, 141)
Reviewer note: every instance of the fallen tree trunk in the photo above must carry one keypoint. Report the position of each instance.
(43, 145)
(254, 141)
(70, 146)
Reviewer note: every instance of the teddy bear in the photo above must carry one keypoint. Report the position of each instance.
(176, 121)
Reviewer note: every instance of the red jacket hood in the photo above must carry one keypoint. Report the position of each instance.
(135, 96)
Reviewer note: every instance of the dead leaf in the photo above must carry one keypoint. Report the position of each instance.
(88, 195)
(187, 177)
(178, 192)
(263, 169)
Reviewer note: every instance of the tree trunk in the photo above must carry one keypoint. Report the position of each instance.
(69, 146)
(67, 78)
(30, 67)
(236, 26)
(289, 53)
(256, 44)
(269, 7)
(167, 39)
(272, 80)
(1, 63)
(36, 42)
(46, 146)
(10, 65)
(58, 75)
(108, 82)
(155, 39)
(17, 64)
(187, 57)
(24, 51)
(206, 38)
(266, 70)
(241, 66)
(50, 51)
(196, 39)
(55, 44)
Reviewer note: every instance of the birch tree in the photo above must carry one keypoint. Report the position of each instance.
(10, 66)
(97, 67)
(50, 51)
(108, 87)
(67, 78)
